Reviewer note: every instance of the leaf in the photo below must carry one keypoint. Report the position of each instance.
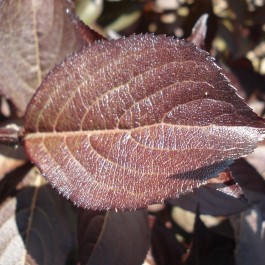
(130, 122)
(249, 230)
(113, 238)
(209, 248)
(87, 34)
(199, 31)
(35, 227)
(256, 159)
(165, 247)
(35, 35)
(234, 81)
(212, 201)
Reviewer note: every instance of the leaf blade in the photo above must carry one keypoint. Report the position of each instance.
(166, 124)
(103, 237)
(35, 225)
(34, 37)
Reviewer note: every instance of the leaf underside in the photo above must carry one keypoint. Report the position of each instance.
(34, 36)
(35, 228)
(126, 123)
(103, 237)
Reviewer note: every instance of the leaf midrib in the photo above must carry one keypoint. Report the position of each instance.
(34, 135)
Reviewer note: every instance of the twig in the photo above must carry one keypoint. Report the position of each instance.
(11, 135)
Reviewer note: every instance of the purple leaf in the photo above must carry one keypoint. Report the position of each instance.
(34, 37)
(212, 202)
(35, 226)
(127, 123)
(199, 31)
(113, 238)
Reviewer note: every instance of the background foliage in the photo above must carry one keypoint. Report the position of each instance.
(38, 226)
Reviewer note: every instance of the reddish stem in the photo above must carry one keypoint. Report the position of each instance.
(10, 136)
